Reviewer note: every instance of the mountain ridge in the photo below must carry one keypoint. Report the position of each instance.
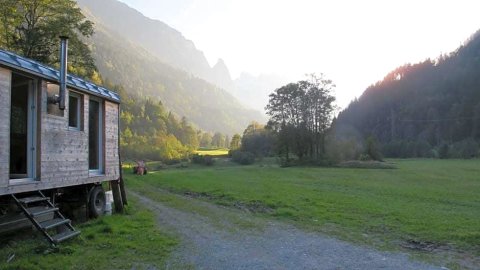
(171, 47)
(157, 37)
(131, 65)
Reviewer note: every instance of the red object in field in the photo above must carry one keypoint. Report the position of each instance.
(140, 168)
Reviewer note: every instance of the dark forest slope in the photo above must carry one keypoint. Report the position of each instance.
(417, 110)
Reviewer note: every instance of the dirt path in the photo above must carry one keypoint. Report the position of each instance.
(222, 238)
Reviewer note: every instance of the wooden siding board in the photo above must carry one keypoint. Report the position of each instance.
(5, 100)
(63, 152)
(111, 140)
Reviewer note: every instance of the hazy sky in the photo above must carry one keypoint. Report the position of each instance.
(354, 43)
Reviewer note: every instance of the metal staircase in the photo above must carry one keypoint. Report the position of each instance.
(57, 229)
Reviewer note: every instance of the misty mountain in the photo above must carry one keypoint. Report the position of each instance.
(159, 39)
(221, 75)
(254, 90)
(171, 47)
(129, 63)
(422, 107)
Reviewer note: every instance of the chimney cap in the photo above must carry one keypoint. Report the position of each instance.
(64, 37)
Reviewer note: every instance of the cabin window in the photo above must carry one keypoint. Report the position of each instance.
(95, 136)
(74, 111)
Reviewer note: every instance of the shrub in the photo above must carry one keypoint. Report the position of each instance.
(243, 158)
(371, 149)
(172, 161)
(208, 160)
(465, 149)
(157, 166)
(203, 160)
(197, 159)
(338, 150)
(443, 151)
(364, 157)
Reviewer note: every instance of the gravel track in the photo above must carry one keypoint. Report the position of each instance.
(231, 239)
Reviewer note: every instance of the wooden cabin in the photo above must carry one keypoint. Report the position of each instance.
(44, 147)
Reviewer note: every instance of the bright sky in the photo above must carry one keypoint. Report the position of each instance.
(354, 43)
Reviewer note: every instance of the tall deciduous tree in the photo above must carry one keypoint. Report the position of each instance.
(227, 142)
(257, 140)
(206, 140)
(218, 140)
(235, 143)
(301, 113)
(32, 27)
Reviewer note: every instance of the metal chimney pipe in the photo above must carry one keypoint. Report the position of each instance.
(63, 71)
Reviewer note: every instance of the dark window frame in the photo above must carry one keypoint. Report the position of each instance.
(78, 111)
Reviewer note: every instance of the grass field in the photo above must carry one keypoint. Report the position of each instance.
(212, 152)
(130, 241)
(423, 204)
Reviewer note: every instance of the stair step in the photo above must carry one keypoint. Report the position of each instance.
(33, 199)
(43, 217)
(35, 209)
(49, 224)
(64, 236)
(38, 211)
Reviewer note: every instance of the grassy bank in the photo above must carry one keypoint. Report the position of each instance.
(423, 204)
(130, 241)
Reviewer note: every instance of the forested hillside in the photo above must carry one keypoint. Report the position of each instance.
(141, 73)
(427, 109)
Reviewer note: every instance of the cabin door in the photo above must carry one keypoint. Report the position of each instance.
(22, 130)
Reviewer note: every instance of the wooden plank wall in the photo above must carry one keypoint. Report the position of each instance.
(111, 140)
(64, 151)
(64, 158)
(5, 99)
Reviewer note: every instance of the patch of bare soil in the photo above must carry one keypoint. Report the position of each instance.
(422, 245)
(462, 259)
(251, 207)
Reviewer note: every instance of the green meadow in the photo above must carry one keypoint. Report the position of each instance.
(425, 206)
(422, 204)
(128, 241)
